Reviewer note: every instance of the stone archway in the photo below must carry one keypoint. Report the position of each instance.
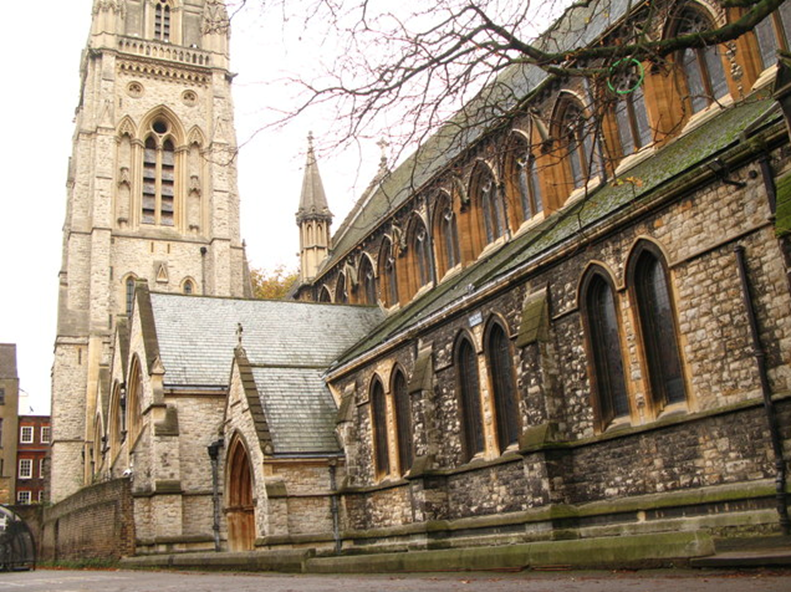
(240, 507)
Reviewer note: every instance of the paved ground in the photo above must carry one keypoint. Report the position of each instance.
(644, 581)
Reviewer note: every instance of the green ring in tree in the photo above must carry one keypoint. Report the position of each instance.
(635, 85)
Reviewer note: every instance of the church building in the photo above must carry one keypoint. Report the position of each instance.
(573, 324)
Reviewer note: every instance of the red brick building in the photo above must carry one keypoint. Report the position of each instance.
(34, 437)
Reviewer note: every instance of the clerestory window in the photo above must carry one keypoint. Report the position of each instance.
(634, 129)
(702, 68)
(487, 197)
(522, 182)
(773, 33)
(446, 235)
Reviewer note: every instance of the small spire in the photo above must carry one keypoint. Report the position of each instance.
(313, 201)
(383, 145)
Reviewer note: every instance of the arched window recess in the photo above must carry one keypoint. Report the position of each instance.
(651, 293)
(521, 179)
(487, 200)
(578, 147)
(379, 428)
(601, 324)
(469, 401)
(446, 234)
(161, 185)
(500, 362)
(368, 293)
(702, 75)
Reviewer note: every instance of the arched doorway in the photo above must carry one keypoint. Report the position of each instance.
(240, 509)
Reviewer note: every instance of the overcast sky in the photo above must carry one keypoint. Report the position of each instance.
(41, 91)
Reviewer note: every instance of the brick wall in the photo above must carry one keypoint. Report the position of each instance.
(96, 523)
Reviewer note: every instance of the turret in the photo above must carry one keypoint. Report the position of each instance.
(313, 218)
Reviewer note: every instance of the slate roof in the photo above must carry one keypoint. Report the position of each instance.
(516, 83)
(299, 408)
(679, 162)
(288, 345)
(197, 335)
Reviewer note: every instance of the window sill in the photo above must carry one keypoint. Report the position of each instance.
(422, 290)
(673, 410)
(706, 114)
(627, 162)
(765, 78)
(493, 246)
(530, 222)
(586, 189)
(451, 272)
(619, 423)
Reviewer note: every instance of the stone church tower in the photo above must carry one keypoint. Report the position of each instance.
(151, 195)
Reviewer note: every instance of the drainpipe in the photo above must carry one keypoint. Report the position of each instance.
(214, 454)
(771, 415)
(336, 531)
(203, 251)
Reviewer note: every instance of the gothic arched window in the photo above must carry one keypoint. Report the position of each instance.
(501, 371)
(403, 420)
(578, 145)
(604, 348)
(379, 428)
(368, 281)
(703, 73)
(162, 20)
(651, 291)
(159, 176)
(469, 399)
(134, 402)
(388, 278)
(324, 295)
(341, 295)
(521, 178)
(772, 34)
(486, 196)
(420, 259)
(446, 235)
(634, 129)
(129, 286)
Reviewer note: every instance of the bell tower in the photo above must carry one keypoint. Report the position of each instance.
(151, 194)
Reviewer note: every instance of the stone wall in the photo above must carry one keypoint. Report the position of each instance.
(95, 523)
(716, 441)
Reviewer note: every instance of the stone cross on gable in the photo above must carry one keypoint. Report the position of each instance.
(239, 331)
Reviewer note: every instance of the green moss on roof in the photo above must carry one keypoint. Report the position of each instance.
(674, 163)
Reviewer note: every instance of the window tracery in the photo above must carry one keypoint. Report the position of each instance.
(702, 69)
